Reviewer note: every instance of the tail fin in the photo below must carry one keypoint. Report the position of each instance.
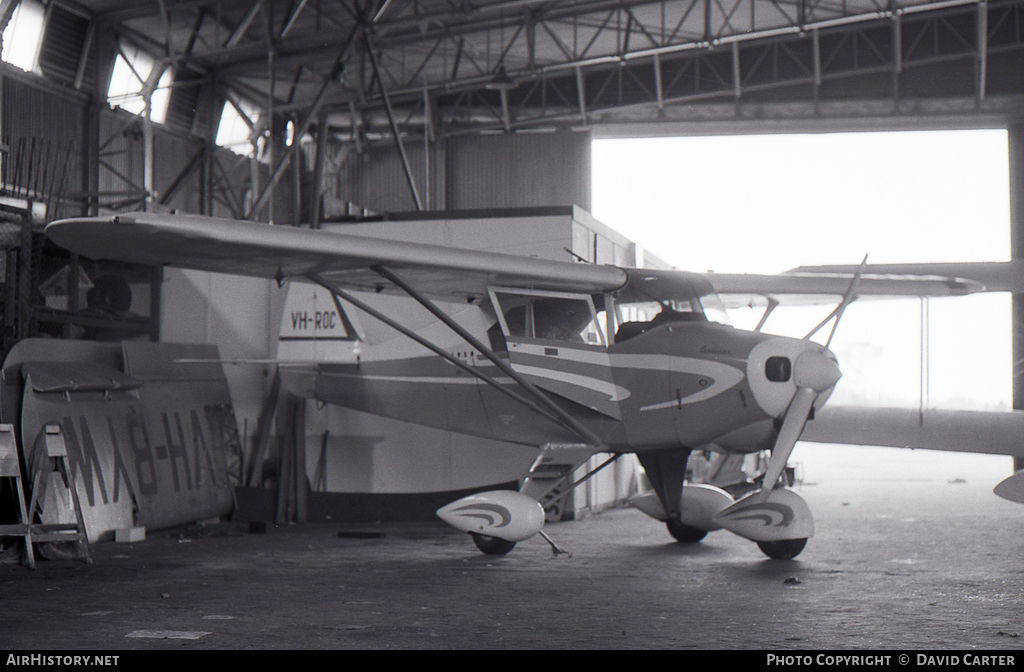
(315, 328)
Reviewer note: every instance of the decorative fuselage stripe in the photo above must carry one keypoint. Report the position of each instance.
(771, 514)
(613, 391)
(435, 380)
(721, 377)
(494, 514)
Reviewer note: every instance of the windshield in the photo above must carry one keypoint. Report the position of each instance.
(714, 309)
(635, 317)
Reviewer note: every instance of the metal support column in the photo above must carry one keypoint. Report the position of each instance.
(317, 192)
(1016, 155)
(209, 149)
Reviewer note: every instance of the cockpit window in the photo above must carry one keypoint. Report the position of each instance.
(778, 369)
(553, 319)
(636, 318)
(669, 311)
(549, 316)
(714, 309)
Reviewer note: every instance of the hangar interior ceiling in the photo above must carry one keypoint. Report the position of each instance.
(400, 81)
(344, 107)
(458, 66)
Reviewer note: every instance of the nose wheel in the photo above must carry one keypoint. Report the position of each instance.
(787, 549)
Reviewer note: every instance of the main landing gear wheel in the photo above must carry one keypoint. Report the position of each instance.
(787, 549)
(492, 545)
(685, 533)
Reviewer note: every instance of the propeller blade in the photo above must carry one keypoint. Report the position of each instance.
(792, 428)
(814, 373)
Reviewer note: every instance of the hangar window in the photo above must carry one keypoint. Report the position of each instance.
(134, 77)
(23, 35)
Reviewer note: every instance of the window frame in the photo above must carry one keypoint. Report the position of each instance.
(515, 291)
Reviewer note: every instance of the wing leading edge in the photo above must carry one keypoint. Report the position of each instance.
(263, 250)
(283, 252)
(793, 288)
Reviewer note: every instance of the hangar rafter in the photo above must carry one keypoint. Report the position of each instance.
(583, 61)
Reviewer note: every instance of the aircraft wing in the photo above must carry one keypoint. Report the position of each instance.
(997, 433)
(799, 287)
(1001, 276)
(264, 250)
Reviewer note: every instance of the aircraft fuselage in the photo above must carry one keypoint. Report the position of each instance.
(685, 384)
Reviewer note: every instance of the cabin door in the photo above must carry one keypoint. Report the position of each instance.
(555, 341)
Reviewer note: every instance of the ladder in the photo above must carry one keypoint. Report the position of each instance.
(10, 467)
(50, 455)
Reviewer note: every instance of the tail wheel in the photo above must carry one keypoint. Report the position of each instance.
(787, 549)
(686, 534)
(492, 545)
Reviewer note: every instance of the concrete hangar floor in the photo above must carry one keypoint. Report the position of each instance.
(911, 551)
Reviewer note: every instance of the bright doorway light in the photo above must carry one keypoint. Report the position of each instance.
(23, 35)
(766, 204)
(238, 121)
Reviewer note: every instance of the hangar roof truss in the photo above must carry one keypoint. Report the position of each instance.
(453, 66)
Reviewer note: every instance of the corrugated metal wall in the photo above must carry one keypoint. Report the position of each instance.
(480, 171)
(376, 179)
(121, 155)
(42, 129)
(173, 154)
(123, 166)
(519, 170)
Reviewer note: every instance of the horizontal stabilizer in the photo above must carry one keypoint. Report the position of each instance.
(1012, 488)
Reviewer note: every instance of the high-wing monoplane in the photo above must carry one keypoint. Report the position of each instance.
(542, 353)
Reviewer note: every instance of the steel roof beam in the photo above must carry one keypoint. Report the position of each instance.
(301, 129)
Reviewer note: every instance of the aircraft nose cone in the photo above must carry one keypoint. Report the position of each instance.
(816, 369)
(777, 367)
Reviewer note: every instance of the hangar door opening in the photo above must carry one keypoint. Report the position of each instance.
(770, 203)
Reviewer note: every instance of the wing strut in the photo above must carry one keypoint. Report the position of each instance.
(335, 293)
(571, 422)
(773, 303)
(841, 308)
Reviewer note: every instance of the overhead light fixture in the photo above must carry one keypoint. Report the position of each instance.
(501, 81)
